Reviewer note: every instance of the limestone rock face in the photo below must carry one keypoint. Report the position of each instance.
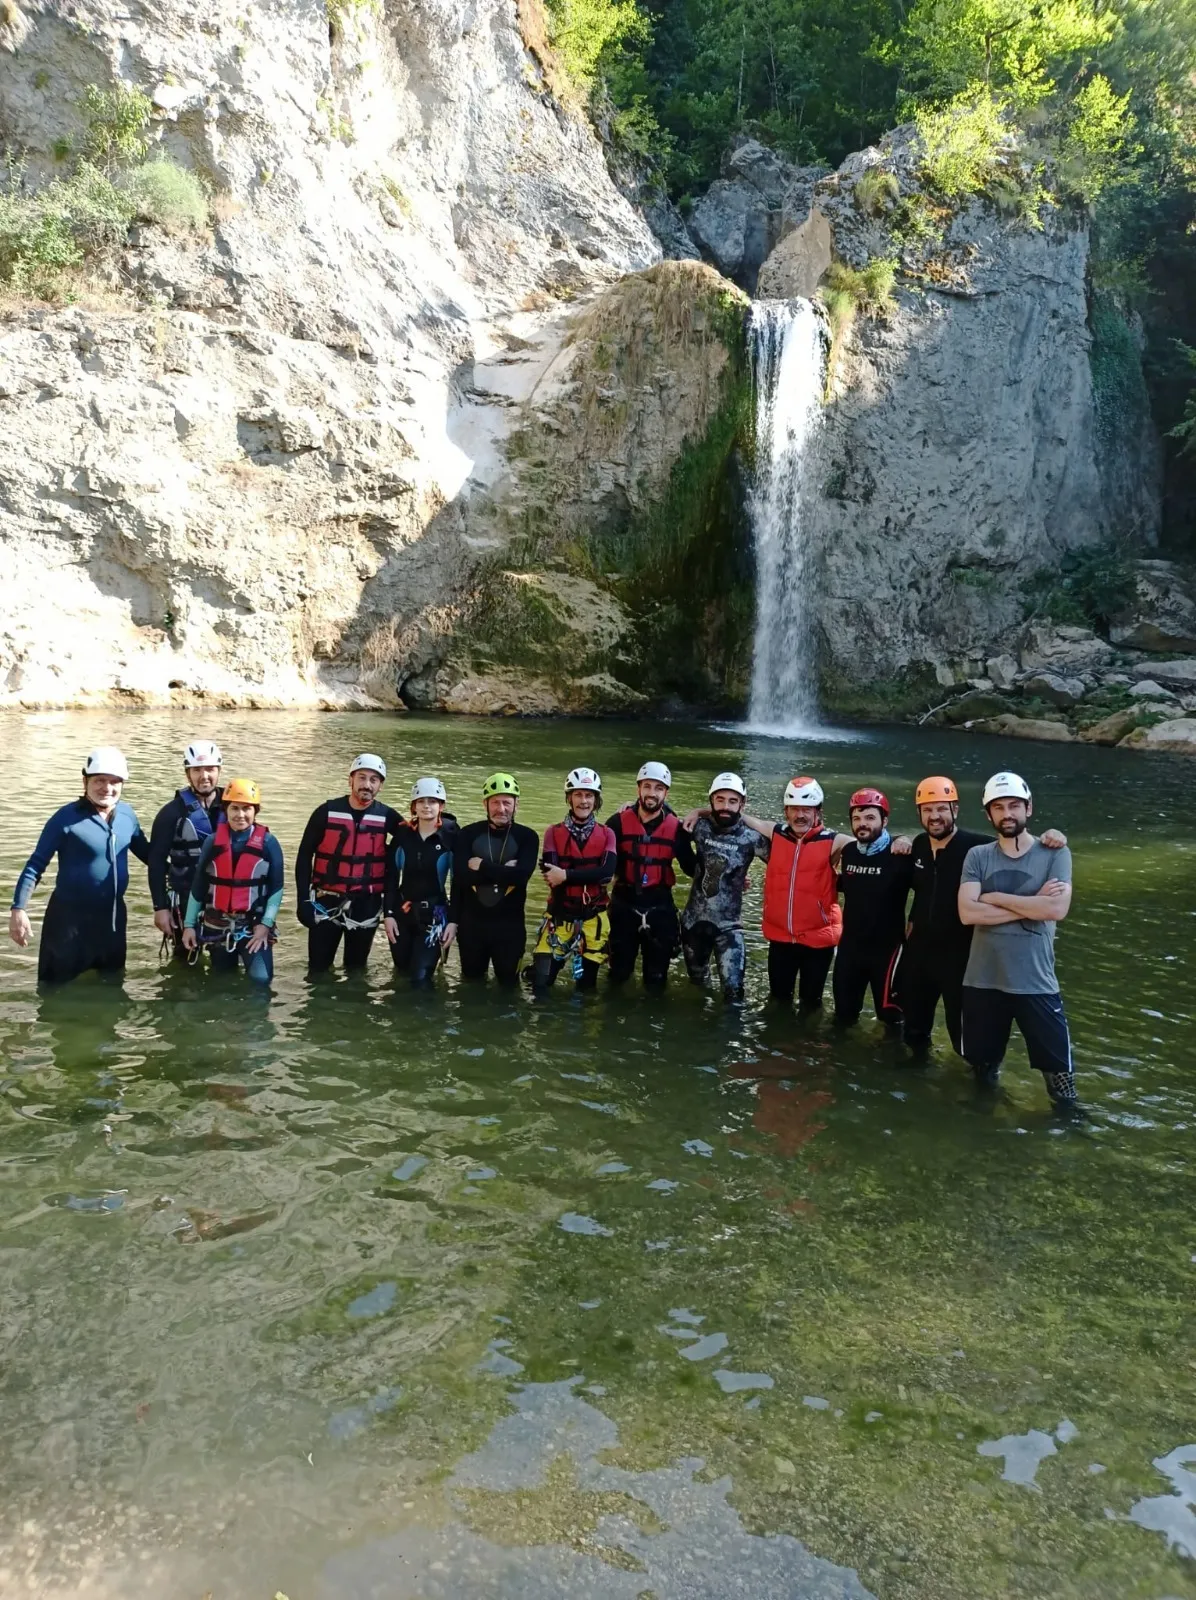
(744, 214)
(1163, 614)
(248, 474)
(963, 449)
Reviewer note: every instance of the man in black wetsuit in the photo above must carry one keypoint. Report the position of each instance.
(177, 837)
(492, 863)
(340, 868)
(935, 954)
(417, 876)
(649, 841)
(874, 882)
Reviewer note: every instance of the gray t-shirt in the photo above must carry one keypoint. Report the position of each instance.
(1018, 957)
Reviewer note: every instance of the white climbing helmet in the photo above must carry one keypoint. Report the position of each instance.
(728, 780)
(657, 772)
(583, 778)
(369, 763)
(106, 761)
(1006, 786)
(803, 792)
(429, 789)
(202, 753)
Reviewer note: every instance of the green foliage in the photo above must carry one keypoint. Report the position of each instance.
(847, 292)
(47, 236)
(166, 194)
(1097, 140)
(341, 12)
(1119, 391)
(1015, 48)
(962, 144)
(1089, 589)
(585, 33)
(1185, 429)
(876, 191)
(116, 122)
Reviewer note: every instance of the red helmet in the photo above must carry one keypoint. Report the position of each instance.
(868, 797)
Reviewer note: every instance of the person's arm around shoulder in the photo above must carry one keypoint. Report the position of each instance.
(842, 840)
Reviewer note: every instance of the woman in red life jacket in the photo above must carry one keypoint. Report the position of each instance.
(237, 889)
(577, 864)
(340, 868)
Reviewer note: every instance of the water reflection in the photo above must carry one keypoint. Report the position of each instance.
(537, 1512)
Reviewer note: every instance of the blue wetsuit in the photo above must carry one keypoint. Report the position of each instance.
(85, 918)
(259, 965)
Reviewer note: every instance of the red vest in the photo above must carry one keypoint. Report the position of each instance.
(351, 856)
(801, 902)
(646, 859)
(238, 883)
(575, 902)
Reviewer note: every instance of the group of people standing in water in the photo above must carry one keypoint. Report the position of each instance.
(978, 934)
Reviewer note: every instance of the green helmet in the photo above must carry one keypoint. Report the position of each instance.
(499, 783)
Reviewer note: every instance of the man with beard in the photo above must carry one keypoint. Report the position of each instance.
(712, 921)
(340, 869)
(874, 880)
(178, 836)
(1011, 894)
(649, 841)
(492, 862)
(578, 863)
(937, 945)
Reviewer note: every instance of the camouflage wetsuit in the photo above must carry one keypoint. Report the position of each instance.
(712, 919)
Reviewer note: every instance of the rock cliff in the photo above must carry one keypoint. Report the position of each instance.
(241, 469)
(975, 435)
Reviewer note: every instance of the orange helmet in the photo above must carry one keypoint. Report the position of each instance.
(242, 792)
(932, 790)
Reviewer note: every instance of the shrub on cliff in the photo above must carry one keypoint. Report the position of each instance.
(166, 194)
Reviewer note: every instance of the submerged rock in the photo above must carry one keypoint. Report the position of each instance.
(1177, 734)
(1027, 728)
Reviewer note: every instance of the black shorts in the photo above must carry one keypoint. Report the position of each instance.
(988, 1019)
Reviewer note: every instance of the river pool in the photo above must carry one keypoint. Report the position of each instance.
(354, 1292)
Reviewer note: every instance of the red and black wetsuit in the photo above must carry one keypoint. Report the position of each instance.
(643, 917)
(875, 889)
(341, 867)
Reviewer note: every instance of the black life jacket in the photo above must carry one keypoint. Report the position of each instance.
(192, 828)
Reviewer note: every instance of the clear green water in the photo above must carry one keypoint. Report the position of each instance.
(255, 1258)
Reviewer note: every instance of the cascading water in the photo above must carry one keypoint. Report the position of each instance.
(787, 372)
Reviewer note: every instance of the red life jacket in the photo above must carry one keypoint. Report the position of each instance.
(237, 884)
(576, 901)
(801, 901)
(350, 858)
(646, 858)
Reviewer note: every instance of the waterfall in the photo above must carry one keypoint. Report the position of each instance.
(787, 368)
